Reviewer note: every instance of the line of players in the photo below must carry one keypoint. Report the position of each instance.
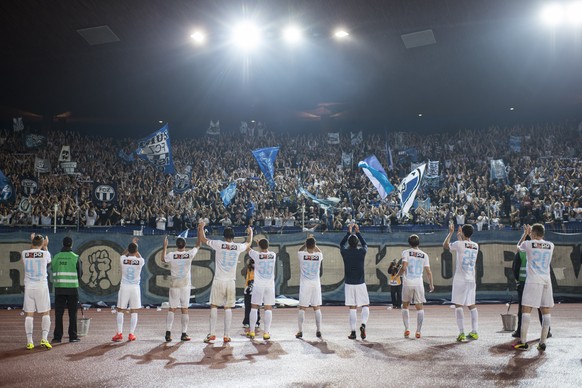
(537, 291)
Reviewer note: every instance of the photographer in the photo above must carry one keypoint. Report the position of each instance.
(395, 283)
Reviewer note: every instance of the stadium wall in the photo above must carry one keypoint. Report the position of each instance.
(99, 255)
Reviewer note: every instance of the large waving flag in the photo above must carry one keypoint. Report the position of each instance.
(409, 187)
(375, 172)
(266, 159)
(156, 149)
(7, 194)
(228, 194)
(324, 203)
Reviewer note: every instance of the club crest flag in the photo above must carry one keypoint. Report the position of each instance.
(433, 169)
(266, 159)
(17, 124)
(497, 171)
(104, 192)
(228, 194)
(356, 138)
(65, 155)
(182, 181)
(213, 128)
(347, 159)
(42, 165)
(157, 150)
(409, 187)
(333, 138)
(34, 141)
(375, 172)
(7, 194)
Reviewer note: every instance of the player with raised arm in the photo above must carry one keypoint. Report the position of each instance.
(223, 288)
(464, 285)
(263, 287)
(414, 261)
(36, 291)
(310, 258)
(179, 296)
(129, 297)
(356, 292)
(538, 291)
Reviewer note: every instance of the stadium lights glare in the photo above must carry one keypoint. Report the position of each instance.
(556, 14)
(198, 37)
(420, 115)
(552, 14)
(512, 108)
(341, 34)
(292, 34)
(246, 35)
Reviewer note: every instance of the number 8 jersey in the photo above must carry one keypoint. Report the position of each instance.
(539, 255)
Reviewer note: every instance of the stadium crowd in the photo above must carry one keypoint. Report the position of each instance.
(542, 181)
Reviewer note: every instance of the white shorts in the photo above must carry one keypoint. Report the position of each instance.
(36, 300)
(179, 297)
(463, 293)
(413, 294)
(129, 297)
(537, 295)
(309, 294)
(356, 295)
(222, 293)
(263, 294)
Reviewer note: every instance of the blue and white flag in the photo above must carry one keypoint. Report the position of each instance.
(347, 159)
(324, 203)
(104, 192)
(497, 171)
(213, 128)
(266, 159)
(184, 234)
(433, 169)
(333, 138)
(29, 186)
(128, 158)
(409, 187)
(34, 141)
(375, 172)
(156, 149)
(228, 194)
(182, 182)
(515, 143)
(7, 194)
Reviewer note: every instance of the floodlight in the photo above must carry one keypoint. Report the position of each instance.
(292, 34)
(341, 33)
(574, 12)
(246, 35)
(198, 37)
(552, 14)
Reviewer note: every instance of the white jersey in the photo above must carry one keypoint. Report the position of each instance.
(416, 260)
(180, 266)
(465, 258)
(131, 269)
(310, 264)
(226, 258)
(35, 272)
(264, 267)
(539, 256)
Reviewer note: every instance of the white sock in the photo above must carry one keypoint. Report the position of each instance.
(353, 319)
(227, 321)
(301, 319)
(28, 325)
(318, 319)
(525, 319)
(185, 321)
(474, 320)
(365, 314)
(169, 321)
(268, 320)
(405, 318)
(419, 320)
(546, 319)
(133, 323)
(213, 318)
(46, 326)
(460, 319)
(120, 322)
(253, 319)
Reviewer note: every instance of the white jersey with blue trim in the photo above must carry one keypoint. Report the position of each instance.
(131, 269)
(35, 272)
(416, 260)
(226, 258)
(264, 267)
(310, 264)
(539, 256)
(181, 265)
(465, 260)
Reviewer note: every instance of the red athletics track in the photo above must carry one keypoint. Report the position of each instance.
(384, 359)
